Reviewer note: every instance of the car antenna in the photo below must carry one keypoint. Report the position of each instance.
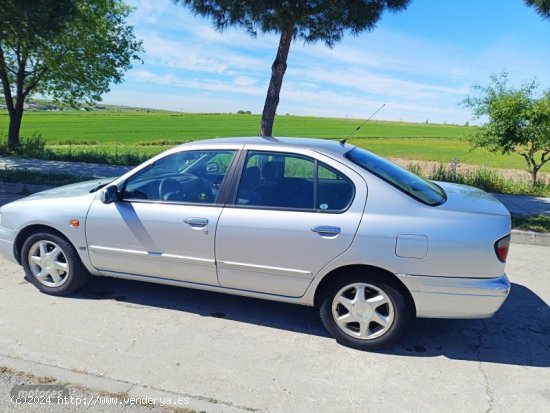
(343, 141)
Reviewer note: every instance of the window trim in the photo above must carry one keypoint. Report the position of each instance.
(232, 196)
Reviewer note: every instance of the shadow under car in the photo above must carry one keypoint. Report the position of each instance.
(518, 334)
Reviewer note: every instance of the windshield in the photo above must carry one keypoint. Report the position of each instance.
(404, 180)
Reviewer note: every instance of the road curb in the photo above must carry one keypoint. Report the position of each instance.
(117, 387)
(530, 238)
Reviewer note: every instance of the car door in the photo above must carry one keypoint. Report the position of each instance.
(164, 223)
(292, 215)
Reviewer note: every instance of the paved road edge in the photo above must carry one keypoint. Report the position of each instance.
(530, 238)
(114, 386)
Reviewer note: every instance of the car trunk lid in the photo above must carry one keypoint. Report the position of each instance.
(464, 198)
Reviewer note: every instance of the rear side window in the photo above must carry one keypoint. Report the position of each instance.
(290, 181)
(418, 188)
(334, 190)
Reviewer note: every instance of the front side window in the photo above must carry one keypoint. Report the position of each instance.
(189, 176)
(418, 188)
(290, 181)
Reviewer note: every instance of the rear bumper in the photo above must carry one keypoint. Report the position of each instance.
(445, 297)
(7, 239)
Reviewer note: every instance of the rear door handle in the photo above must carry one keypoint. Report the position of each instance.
(327, 231)
(196, 222)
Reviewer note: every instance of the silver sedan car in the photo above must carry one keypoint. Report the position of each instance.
(313, 222)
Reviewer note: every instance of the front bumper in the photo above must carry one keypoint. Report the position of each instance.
(446, 297)
(7, 239)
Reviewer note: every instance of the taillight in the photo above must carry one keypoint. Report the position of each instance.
(501, 248)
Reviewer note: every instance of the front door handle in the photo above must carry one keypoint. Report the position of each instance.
(196, 222)
(327, 231)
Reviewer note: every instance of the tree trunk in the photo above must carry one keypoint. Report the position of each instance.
(15, 125)
(534, 173)
(278, 70)
(13, 134)
(15, 109)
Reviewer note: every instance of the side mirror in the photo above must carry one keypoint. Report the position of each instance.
(109, 194)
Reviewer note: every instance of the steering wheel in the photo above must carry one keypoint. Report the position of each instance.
(168, 186)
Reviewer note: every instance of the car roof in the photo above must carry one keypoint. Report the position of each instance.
(332, 146)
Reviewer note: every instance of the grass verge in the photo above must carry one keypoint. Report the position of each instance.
(91, 152)
(483, 178)
(537, 223)
(25, 176)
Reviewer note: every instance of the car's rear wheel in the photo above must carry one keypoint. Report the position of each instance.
(364, 313)
(52, 264)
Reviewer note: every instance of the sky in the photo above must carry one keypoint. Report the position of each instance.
(420, 62)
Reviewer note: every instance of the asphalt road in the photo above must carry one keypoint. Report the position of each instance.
(228, 353)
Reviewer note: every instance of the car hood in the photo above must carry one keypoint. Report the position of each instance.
(464, 198)
(78, 189)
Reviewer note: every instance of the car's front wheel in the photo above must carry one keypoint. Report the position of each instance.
(52, 264)
(364, 313)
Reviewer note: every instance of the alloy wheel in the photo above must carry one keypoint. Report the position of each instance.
(48, 263)
(363, 311)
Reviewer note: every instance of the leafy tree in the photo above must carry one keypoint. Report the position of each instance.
(518, 121)
(68, 49)
(541, 6)
(308, 20)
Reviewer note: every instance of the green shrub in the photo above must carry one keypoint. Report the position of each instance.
(127, 155)
(538, 223)
(415, 169)
(31, 147)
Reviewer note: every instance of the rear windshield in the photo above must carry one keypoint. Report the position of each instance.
(420, 189)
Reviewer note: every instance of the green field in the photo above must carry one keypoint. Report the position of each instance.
(122, 130)
(130, 127)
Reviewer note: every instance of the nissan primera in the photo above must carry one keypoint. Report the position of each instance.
(314, 222)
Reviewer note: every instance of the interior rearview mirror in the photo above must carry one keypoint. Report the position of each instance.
(212, 167)
(109, 194)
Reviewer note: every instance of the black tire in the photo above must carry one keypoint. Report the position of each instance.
(64, 271)
(397, 310)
